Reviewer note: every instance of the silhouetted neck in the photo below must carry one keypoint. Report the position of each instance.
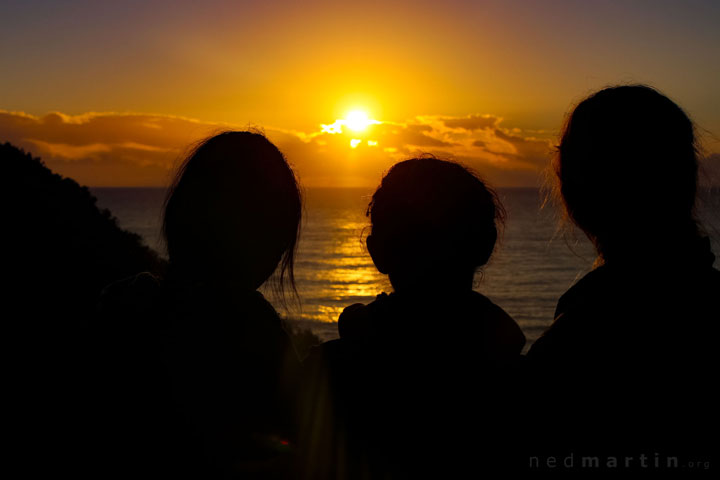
(182, 278)
(669, 253)
(429, 283)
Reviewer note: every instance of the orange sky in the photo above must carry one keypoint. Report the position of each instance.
(484, 82)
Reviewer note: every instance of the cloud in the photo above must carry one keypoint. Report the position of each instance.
(113, 149)
(472, 122)
(135, 149)
(71, 152)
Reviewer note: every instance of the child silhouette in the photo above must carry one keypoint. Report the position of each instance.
(408, 364)
(434, 223)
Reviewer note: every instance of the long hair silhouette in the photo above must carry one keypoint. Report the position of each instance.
(198, 365)
(233, 212)
(626, 170)
(624, 365)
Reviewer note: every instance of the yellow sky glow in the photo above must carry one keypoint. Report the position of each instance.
(112, 98)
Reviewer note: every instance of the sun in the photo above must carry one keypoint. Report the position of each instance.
(358, 120)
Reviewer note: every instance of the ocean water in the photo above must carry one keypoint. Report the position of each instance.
(534, 263)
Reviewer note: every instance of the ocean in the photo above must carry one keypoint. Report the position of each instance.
(534, 263)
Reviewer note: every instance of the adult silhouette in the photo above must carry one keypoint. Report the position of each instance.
(200, 373)
(627, 367)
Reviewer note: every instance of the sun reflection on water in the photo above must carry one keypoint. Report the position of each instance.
(334, 267)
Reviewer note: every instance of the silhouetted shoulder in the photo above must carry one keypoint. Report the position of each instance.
(357, 320)
(503, 336)
(395, 314)
(134, 294)
(584, 292)
(180, 359)
(416, 368)
(634, 311)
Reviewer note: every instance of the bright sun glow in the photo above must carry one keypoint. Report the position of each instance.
(357, 120)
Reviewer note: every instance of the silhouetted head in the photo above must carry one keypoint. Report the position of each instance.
(627, 170)
(233, 212)
(434, 222)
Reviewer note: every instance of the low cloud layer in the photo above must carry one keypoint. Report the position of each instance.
(117, 149)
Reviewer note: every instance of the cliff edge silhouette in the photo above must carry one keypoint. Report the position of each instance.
(59, 250)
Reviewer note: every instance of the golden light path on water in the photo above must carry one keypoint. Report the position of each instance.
(334, 267)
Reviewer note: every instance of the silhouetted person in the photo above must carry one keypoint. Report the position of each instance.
(407, 386)
(201, 372)
(628, 366)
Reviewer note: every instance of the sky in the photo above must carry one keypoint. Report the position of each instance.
(115, 93)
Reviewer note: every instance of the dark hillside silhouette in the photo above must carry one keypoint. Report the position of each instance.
(63, 247)
(59, 251)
